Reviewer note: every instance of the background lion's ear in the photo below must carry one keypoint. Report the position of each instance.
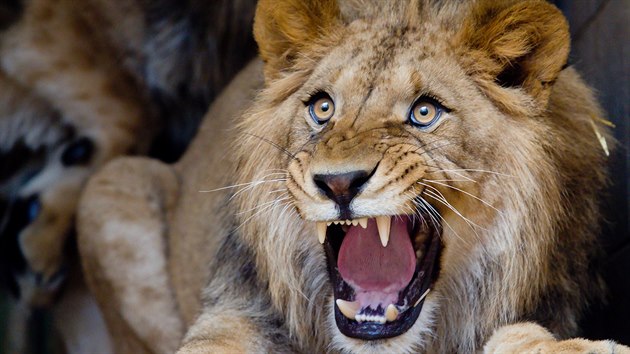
(286, 28)
(524, 45)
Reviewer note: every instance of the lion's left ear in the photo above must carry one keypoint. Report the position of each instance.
(524, 45)
(286, 29)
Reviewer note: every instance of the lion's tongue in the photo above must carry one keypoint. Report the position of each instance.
(375, 272)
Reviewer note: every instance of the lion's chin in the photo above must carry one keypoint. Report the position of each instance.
(381, 269)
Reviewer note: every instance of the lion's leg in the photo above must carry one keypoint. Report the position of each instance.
(121, 231)
(532, 338)
(228, 333)
(233, 331)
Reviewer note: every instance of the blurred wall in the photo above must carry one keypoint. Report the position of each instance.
(601, 47)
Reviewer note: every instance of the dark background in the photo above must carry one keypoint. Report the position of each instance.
(601, 47)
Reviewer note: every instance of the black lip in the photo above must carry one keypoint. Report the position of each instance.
(426, 273)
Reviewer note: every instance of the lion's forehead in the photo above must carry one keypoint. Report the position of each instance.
(378, 70)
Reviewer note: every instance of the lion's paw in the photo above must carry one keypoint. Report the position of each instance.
(532, 338)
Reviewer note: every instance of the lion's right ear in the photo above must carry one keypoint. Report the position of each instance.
(285, 29)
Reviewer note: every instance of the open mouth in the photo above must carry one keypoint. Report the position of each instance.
(381, 270)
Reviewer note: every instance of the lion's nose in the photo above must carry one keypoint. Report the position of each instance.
(343, 187)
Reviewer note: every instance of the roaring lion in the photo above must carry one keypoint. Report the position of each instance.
(413, 176)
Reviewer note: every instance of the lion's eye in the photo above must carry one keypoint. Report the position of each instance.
(425, 112)
(321, 108)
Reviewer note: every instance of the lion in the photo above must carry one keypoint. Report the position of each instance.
(406, 176)
(85, 82)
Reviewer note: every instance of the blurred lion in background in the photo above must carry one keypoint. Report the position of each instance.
(83, 82)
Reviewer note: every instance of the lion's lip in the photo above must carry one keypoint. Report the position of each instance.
(386, 307)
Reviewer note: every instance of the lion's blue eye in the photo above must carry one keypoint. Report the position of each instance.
(425, 112)
(321, 108)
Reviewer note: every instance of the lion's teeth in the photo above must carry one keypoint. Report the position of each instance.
(321, 231)
(370, 318)
(348, 308)
(328, 223)
(355, 222)
(383, 223)
(363, 222)
(391, 313)
(348, 222)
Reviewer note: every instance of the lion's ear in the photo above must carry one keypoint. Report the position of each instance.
(286, 28)
(525, 45)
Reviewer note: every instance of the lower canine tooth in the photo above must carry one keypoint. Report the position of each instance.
(391, 313)
(348, 308)
(321, 231)
(383, 223)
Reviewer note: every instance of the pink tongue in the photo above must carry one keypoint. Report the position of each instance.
(365, 264)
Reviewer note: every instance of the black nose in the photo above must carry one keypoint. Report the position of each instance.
(342, 188)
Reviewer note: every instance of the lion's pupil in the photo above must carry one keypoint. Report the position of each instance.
(325, 106)
(424, 110)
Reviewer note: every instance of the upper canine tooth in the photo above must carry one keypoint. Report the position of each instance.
(348, 308)
(391, 313)
(363, 222)
(321, 231)
(383, 223)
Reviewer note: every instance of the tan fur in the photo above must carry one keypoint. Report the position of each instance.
(522, 166)
(170, 204)
(116, 73)
(531, 338)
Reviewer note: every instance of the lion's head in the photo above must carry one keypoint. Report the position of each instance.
(443, 157)
(38, 192)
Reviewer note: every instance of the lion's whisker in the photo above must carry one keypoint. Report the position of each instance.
(240, 185)
(466, 193)
(280, 198)
(440, 198)
(449, 180)
(263, 209)
(276, 145)
(277, 190)
(476, 170)
(434, 212)
(256, 184)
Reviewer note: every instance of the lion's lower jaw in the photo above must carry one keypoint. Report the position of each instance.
(415, 340)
